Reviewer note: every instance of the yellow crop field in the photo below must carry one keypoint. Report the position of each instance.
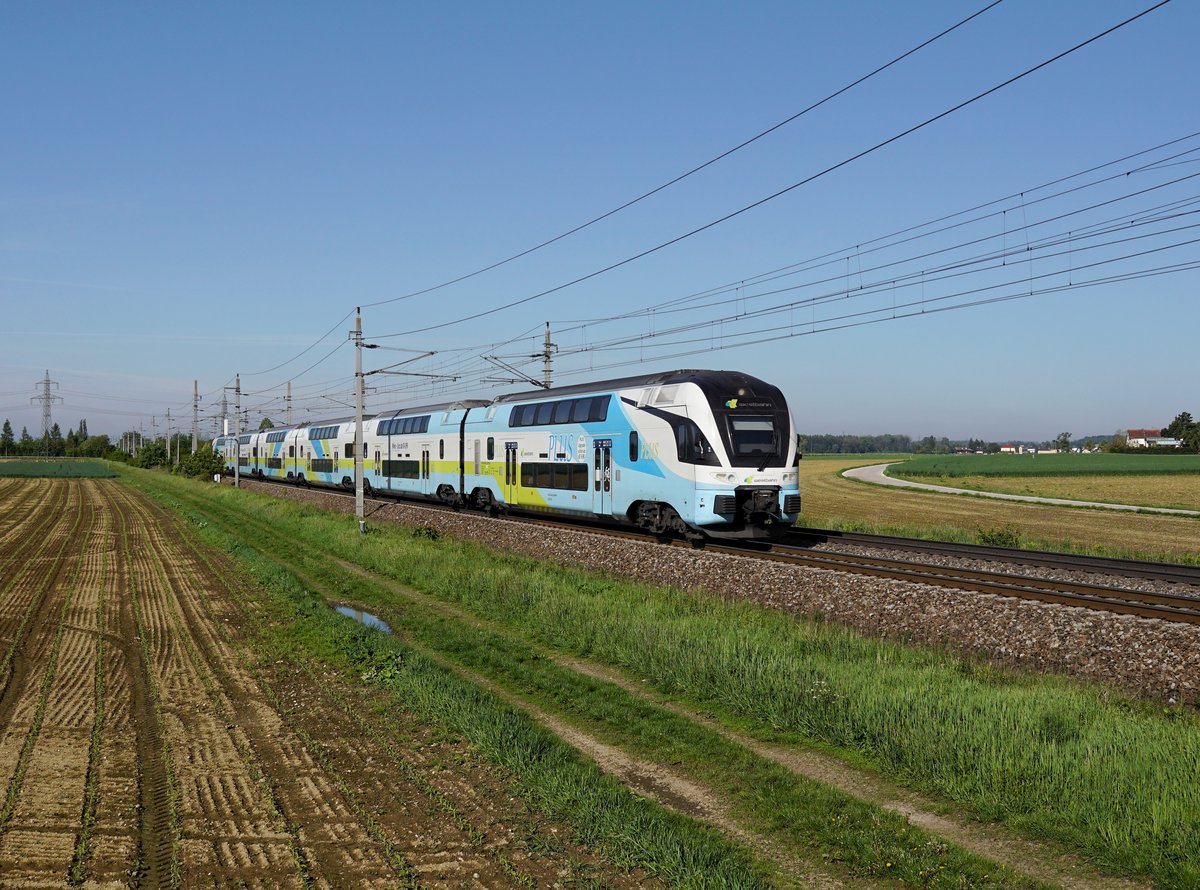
(830, 499)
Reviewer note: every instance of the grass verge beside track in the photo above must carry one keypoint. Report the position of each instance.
(1094, 771)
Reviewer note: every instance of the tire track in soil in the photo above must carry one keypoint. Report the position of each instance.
(41, 804)
(157, 856)
(18, 561)
(21, 501)
(232, 833)
(326, 822)
(28, 611)
(41, 841)
(273, 772)
(119, 810)
(82, 851)
(410, 813)
(46, 510)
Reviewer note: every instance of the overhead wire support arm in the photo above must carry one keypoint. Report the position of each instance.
(521, 376)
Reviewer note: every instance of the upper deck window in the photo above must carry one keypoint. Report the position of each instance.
(589, 409)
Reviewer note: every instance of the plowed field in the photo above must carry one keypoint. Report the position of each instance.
(142, 744)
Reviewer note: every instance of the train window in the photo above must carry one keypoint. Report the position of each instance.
(691, 445)
(579, 477)
(562, 411)
(562, 476)
(599, 410)
(633, 447)
(544, 412)
(291, 451)
(402, 469)
(491, 448)
(580, 409)
(441, 448)
(753, 435)
(349, 449)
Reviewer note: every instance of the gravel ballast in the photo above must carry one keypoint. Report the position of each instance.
(1155, 658)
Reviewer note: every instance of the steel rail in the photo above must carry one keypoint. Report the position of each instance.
(1128, 568)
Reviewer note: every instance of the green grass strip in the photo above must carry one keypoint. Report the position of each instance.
(954, 465)
(53, 468)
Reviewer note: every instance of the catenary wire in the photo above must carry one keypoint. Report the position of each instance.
(865, 152)
(697, 169)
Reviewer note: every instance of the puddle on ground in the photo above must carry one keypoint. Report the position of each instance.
(364, 618)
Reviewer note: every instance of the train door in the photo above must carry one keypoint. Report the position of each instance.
(510, 472)
(426, 466)
(602, 476)
(388, 467)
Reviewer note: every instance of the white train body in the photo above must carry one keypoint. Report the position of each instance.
(686, 452)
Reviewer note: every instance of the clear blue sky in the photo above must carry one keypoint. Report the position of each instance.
(189, 191)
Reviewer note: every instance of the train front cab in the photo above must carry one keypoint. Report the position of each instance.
(733, 442)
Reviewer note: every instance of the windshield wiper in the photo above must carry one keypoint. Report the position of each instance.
(767, 455)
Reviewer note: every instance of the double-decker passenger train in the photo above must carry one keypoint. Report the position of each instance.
(693, 453)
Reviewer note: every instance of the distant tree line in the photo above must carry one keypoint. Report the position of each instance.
(891, 443)
(831, 444)
(77, 443)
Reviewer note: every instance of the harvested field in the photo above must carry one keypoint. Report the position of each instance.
(142, 743)
(831, 499)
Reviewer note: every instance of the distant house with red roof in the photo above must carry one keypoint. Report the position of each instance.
(1150, 439)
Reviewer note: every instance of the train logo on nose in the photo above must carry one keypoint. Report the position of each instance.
(732, 403)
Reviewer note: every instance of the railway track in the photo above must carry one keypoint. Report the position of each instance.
(1180, 605)
(1125, 568)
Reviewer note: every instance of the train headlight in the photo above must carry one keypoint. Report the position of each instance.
(789, 478)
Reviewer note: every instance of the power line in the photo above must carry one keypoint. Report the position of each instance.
(898, 136)
(697, 169)
(1021, 246)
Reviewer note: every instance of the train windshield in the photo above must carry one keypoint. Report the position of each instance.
(753, 435)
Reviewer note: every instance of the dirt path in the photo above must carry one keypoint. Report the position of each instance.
(142, 743)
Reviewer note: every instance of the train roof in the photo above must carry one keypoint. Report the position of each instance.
(708, 381)
(435, 408)
(716, 384)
